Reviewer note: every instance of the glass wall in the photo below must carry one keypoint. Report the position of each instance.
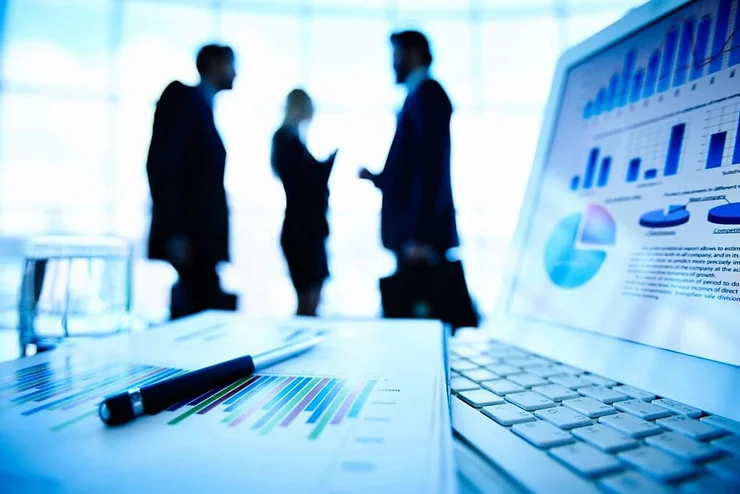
(79, 80)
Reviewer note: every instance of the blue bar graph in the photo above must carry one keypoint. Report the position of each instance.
(651, 174)
(736, 152)
(600, 96)
(587, 109)
(588, 177)
(606, 165)
(700, 52)
(720, 36)
(627, 70)
(355, 410)
(716, 150)
(735, 50)
(652, 75)
(317, 399)
(673, 156)
(285, 396)
(611, 95)
(684, 53)
(637, 86)
(325, 403)
(633, 172)
(669, 54)
(283, 392)
(575, 182)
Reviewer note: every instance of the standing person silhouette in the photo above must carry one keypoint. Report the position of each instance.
(305, 181)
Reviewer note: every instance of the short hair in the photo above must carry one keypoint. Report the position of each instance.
(209, 54)
(414, 40)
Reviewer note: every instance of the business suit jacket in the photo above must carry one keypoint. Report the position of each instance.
(417, 191)
(185, 168)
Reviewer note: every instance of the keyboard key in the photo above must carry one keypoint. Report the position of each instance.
(504, 369)
(604, 438)
(600, 381)
(630, 425)
(463, 365)
(731, 444)
(682, 447)
(530, 401)
(727, 468)
(480, 398)
(502, 352)
(567, 369)
(542, 434)
(526, 361)
(484, 360)
(604, 395)
(589, 407)
(708, 484)
(479, 375)
(502, 387)
(556, 392)
(562, 417)
(632, 483)
(678, 408)
(527, 380)
(642, 409)
(657, 464)
(635, 393)
(458, 384)
(723, 423)
(544, 370)
(572, 382)
(689, 427)
(508, 414)
(586, 460)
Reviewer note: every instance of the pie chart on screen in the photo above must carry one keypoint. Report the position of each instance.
(576, 249)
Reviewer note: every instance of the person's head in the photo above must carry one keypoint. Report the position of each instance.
(215, 63)
(298, 108)
(410, 51)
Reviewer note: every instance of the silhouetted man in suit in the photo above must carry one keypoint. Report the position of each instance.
(190, 216)
(418, 214)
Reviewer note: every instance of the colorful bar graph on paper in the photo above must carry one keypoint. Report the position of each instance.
(606, 165)
(736, 152)
(651, 174)
(46, 388)
(684, 53)
(611, 94)
(588, 177)
(269, 403)
(627, 69)
(673, 155)
(652, 75)
(700, 50)
(575, 182)
(669, 54)
(720, 36)
(716, 150)
(633, 172)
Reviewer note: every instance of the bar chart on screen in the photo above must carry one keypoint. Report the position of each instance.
(721, 145)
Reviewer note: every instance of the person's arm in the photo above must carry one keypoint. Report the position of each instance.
(430, 129)
(173, 120)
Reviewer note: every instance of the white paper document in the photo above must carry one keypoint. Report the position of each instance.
(365, 411)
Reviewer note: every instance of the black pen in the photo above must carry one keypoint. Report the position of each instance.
(151, 399)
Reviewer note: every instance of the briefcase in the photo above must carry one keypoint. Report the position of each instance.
(430, 291)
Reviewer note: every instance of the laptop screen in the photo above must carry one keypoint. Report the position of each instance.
(635, 229)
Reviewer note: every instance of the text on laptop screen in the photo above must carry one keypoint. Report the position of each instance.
(636, 228)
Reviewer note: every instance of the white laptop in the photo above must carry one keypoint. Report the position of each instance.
(613, 364)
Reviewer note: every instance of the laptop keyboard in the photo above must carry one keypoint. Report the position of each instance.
(624, 439)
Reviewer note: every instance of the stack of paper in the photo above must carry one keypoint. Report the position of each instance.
(365, 411)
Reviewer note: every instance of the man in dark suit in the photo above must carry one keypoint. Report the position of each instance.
(190, 217)
(418, 213)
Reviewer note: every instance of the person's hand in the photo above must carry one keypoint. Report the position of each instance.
(178, 250)
(416, 253)
(366, 174)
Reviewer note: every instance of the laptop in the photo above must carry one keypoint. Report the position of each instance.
(613, 361)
